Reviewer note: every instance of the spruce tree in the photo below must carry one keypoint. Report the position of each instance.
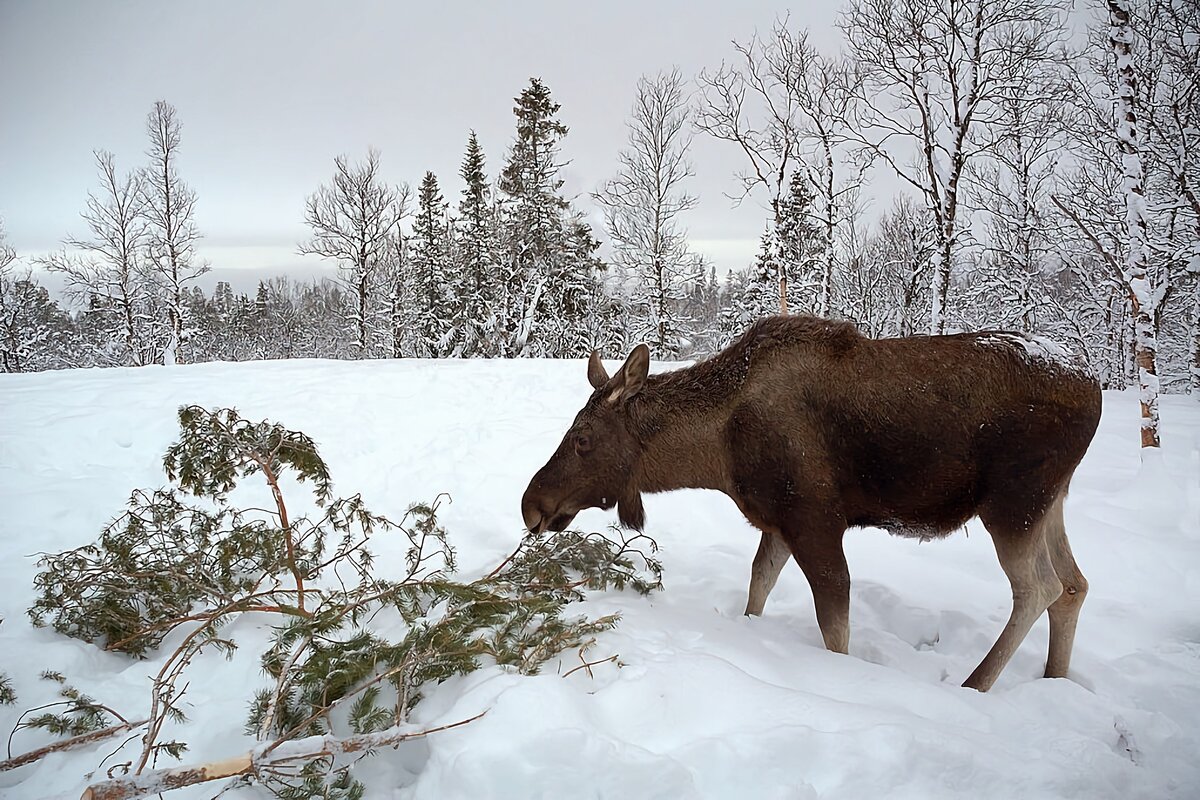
(801, 242)
(760, 298)
(427, 264)
(549, 269)
(476, 313)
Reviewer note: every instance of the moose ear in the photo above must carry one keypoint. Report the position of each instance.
(597, 375)
(631, 377)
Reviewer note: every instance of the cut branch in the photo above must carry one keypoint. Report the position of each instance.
(68, 744)
(253, 763)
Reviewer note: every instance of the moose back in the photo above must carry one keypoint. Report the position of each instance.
(812, 428)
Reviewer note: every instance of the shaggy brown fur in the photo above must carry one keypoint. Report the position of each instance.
(812, 428)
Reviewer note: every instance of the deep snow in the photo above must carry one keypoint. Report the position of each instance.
(708, 703)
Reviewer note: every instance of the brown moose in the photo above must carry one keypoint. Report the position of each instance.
(813, 428)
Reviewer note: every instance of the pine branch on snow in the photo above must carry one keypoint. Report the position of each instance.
(185, 558)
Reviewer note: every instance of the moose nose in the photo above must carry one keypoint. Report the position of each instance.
(532, 517)
(531, 511)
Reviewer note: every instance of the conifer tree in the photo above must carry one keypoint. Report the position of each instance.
(760, 297)
(801, 243)
(549, 271)
(427, 265)
(33, 329)
(182, 563)
(476, 312)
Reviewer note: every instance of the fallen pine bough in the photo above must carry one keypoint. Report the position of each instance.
(274, 757)
(67, 744)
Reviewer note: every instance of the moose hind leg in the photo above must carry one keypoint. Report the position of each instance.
(1025, 559)
(773, 553)
(1064, 612)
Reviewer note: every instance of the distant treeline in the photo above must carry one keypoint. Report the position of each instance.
(1033, 201)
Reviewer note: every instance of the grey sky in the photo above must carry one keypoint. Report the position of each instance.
(270, 92)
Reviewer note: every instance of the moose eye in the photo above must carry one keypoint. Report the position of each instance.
(583, 443)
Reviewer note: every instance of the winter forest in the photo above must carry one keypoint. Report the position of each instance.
(1026, 165)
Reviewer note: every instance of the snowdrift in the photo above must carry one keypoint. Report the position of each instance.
(704, 703)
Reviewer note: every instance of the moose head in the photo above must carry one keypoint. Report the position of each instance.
(595, 464)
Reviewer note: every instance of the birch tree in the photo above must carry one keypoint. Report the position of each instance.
(934, 73)
(1169, 73)
(171, 234)
(884, 286)
(785, 106)
(643, 206)
(1011, 189)
(355, 221)
(828, 91)
(1142, 296)
(12, 348)
(105, 269)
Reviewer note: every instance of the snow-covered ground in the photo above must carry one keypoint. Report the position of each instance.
(707, 703)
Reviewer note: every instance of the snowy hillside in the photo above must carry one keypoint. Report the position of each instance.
(708, 703)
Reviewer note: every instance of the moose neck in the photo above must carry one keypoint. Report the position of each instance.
(680, 424)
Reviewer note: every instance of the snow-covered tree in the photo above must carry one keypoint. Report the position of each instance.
(702, 307)
(1142, 293)
(786, 106)
(430, 285)
(476, 317)
(1092, 199)
(1012, 187)
(32, 327)
(9, 348)
(885, 284)
(397, 289)
(1168, 76)
(933, 75)
(549, 270)
(171, 234)
(802, 249)
(532, 213)
(106, 270)
(643, 205)
(355, 221)
(753, 292)
(752, 103)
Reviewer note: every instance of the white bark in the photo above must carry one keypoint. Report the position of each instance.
(355, 221)
(1142, 296)
(934, 74)
(643, 205)
(171, 237)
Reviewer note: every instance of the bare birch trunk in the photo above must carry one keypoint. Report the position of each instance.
(1194, 345)
(1142, 297)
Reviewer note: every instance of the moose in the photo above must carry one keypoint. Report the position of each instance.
(812, 428)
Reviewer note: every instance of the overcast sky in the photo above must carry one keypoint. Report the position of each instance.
(270, 92)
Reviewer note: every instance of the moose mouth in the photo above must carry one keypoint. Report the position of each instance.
(537, 523)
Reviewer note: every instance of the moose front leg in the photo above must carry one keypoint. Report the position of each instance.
(818, 551)
(773, 553)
